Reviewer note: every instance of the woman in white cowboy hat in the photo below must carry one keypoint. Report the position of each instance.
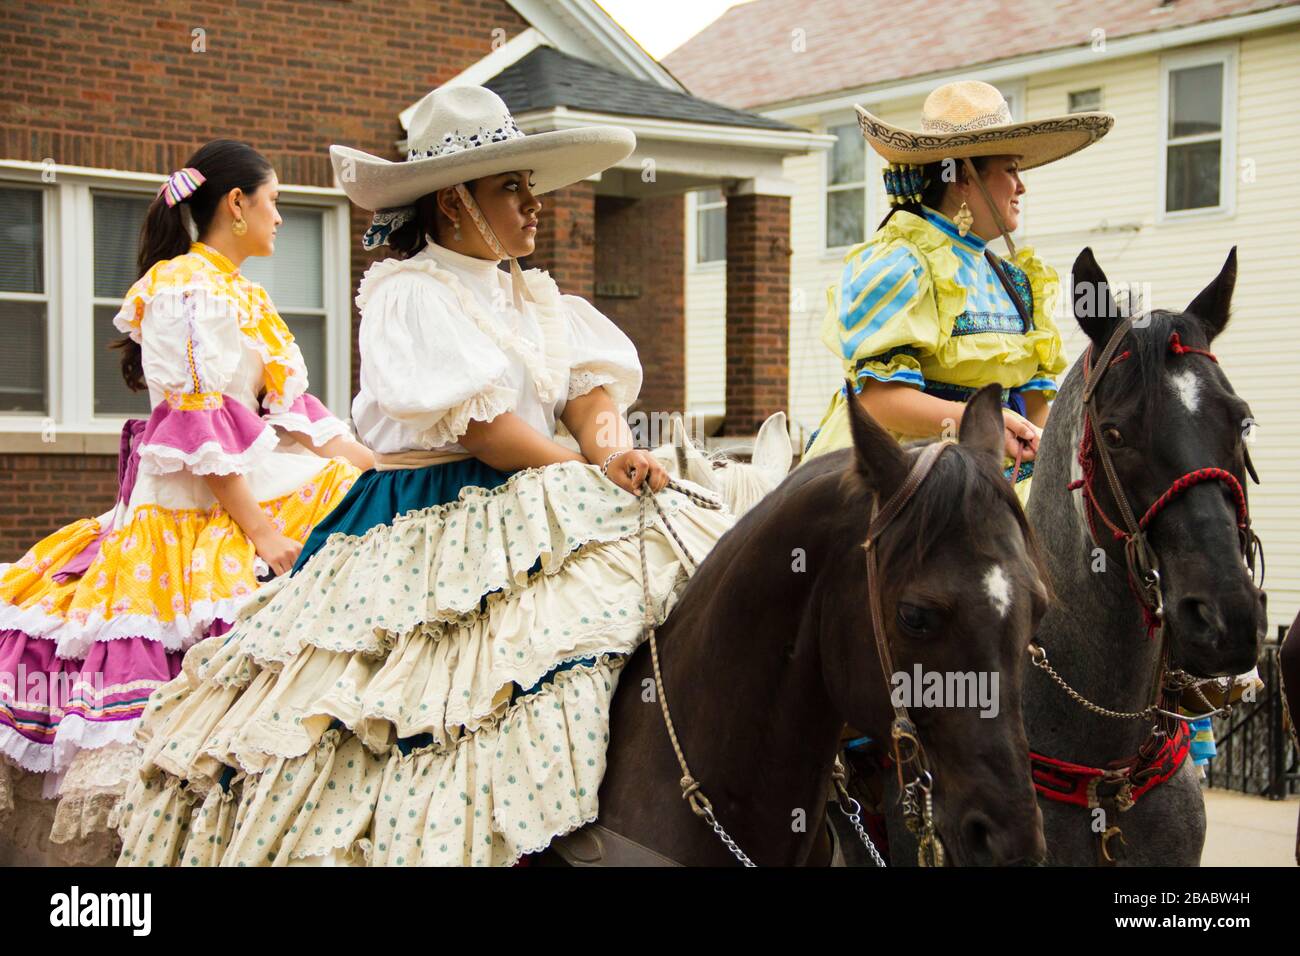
(432, 683)
(925, 313)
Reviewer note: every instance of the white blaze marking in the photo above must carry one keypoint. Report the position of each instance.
(1187, 388)
(999, 589)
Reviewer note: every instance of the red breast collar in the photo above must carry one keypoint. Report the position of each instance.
(1074, 783)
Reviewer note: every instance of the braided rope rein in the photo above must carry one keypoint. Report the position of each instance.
(692, 791)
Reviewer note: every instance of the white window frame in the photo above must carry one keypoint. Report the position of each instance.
(1015, 91)
(1101, 98)
(869, 187)
(69, 244)
(1225, 54)
(49, 236)
(693, 208)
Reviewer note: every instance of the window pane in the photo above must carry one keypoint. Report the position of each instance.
(1196, 100)
(848, 156)
(711, 234)
(1084, 101)
(117, 241)
(22, 360)
(293, 275)
(705, 197)
(309, 332)
(22, 241)
(112, 397)
(845, 217)
(1193, 179)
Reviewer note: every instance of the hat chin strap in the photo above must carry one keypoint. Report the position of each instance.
(519, 287)
(988, 201)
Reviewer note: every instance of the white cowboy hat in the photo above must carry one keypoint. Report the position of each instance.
(466, 132)
(970, 118)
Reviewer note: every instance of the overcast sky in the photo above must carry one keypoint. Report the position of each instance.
(664, 25)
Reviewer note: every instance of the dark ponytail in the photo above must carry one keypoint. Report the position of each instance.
(429, 220)
(409, 238)
(935, 187)
(225, 165)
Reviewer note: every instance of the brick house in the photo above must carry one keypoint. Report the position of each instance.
(101, 100)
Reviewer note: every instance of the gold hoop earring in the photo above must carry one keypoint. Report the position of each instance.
(964, 219)
(239, 227)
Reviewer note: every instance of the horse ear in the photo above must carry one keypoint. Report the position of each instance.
(773, 452)
(880, 460)
(679, 431)
(1211, 306)
(981, 423)
(1094, 307)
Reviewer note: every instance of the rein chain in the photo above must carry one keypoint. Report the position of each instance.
(1165, 749)
(918, 805)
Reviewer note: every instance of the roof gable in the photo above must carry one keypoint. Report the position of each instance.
(547, 78)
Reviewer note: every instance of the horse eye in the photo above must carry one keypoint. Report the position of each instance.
(914, 619)
(1113, 436)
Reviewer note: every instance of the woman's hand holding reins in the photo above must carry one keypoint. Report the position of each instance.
(1021, 436)
(633, 468)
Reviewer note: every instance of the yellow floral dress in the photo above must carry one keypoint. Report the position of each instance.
(84, 642)
(920, 304)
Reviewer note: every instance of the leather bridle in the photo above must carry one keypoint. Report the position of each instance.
(1117, 787)
(1142, 562)
(908, 753)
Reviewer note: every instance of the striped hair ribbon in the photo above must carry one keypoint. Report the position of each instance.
(180, 185)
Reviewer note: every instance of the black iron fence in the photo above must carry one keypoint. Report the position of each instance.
(1256, 753)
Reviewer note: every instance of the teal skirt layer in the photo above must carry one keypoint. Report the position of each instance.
(378, 497)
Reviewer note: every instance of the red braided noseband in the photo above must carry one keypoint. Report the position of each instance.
(1088, 467)
(1195, 478)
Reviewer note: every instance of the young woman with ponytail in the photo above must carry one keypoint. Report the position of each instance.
(234, 467)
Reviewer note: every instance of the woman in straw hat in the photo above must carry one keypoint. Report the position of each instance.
(432, 683)
(925, 313)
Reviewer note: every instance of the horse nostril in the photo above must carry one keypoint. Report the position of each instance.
(977, 835)
(1203, 616)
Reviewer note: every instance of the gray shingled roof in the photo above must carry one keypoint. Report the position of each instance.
(547, 78)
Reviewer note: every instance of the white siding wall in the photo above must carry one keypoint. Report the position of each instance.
(1108, 197)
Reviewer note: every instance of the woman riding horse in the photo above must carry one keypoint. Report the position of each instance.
(925, 314)
(432, 683)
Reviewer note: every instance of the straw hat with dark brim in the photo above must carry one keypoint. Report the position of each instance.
(466, 132)
(970, 118)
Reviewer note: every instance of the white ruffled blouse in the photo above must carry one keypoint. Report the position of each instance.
(442, 344)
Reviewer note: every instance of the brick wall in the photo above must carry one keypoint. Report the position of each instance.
(41, 493)
(758, 310)
(113, 85)
(640, 251)
(566, 239)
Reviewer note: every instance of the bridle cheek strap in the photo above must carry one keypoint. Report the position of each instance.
(1087, 444)
(906, 745)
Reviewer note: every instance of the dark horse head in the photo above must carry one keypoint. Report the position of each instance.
(962, 590)
(1166, 411)
(767, 659)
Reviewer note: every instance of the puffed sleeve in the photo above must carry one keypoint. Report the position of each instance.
(882, 315)
(426, 363)
(600, 354)
(1044, 340)
(190, 347)
(308, 416)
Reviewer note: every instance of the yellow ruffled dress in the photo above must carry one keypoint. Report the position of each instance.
(81, 652)
(918, 303)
